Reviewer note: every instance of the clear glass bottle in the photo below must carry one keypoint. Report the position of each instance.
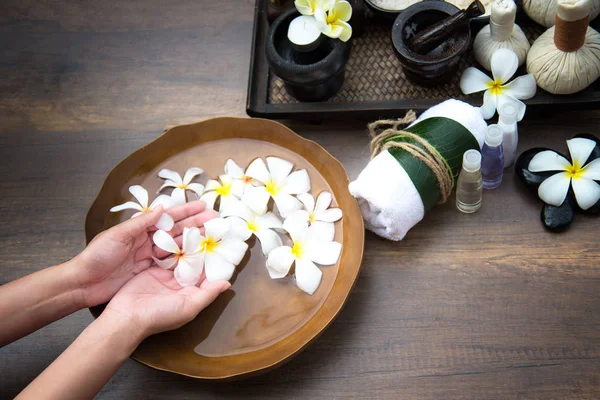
(508, 122)
(492, 158)
(469, 187)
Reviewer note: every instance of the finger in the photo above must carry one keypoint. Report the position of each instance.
(193, 221)
(206, 294)
(135, 226)
(185, 210)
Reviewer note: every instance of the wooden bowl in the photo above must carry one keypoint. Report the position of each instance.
(259, 323)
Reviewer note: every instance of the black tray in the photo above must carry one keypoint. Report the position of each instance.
(267, 97)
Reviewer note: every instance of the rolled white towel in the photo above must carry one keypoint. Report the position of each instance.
(388, 199)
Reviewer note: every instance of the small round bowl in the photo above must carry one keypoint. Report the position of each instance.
(439, 65)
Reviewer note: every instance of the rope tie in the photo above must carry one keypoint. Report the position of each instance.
(383, 138)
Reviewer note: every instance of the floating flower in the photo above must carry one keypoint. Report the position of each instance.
(237, 173)
(189, 259)
(229, 189)
(245, 223)
(279, 183)
(222, 250)
(180, 185)
(504, 65)
(310, 246)
(141, 195)
(333, 17)
(319, 213)
(577, 174)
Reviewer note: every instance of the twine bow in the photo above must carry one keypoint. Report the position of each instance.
(386, 135)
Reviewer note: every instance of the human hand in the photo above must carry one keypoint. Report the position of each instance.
(118, 254)
(154, 302)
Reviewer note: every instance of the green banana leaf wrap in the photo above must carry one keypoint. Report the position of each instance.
(450, 139)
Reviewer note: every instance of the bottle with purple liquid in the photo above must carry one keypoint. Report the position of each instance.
(492, 158)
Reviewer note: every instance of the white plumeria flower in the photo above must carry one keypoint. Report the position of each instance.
(228, 189)
(141, 195)
(189, 259)
(180, 185)
(308, 7)
(311, 245)
(237, 173)
(316, 214)
(279, 183)
(497, 92)
(222, 250)
(333, 17)
(245, 223)
(554, 189)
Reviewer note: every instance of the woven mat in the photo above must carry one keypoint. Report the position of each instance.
(374, 73)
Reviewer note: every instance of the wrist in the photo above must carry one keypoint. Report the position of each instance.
(72, 275)
(121, 333)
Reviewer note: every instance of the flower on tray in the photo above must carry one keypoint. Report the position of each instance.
(280, 183)
(245, 223)
(228, 189)
(180, 185)
(333, 19)
(141, 195)
(497, 92)
(310, 245)
(237, 173)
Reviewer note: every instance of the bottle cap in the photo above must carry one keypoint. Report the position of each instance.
(493, 136)
(471, 160)
(508, 114)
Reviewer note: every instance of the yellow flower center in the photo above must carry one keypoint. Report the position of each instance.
(209, 245)
(179, 255)
(224, 189)
(297, 250)
(246, 179)
(252, 226)
(574, 171)
(182, 186)
(496, 87)
(272, 188)
(312, 218)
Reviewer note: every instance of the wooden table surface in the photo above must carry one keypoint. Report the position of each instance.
(483, 306)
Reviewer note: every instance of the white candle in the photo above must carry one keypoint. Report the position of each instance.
(303, 30)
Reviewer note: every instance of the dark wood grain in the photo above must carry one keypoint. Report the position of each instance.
(483, 306)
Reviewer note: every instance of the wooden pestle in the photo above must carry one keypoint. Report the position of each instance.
(434, 35)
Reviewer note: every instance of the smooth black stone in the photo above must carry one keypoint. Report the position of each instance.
(558, 219)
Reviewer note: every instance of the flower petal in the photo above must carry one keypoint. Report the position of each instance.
(592, 170)
(196, 188)
(488, 109)
(473, 81)
(167, 263)
(163, 200)
(191, 238)
(130, 205)
(324, 253)
(232, 249)
(346, 30)
(333, 31)
(140, 194)
(238, 228)
(191, 174)
(331, 215)
(165, 222)
(212, 185)
(217, 268)
(269, 240)
(168, 183)
(258, 170)
(308, 276)
(554, 189)
(237, 209)
(279, 262)
(170, 175)
(286, 204)
(178, 196)
(548, 160)
(587, 192)
(504, 65)
(321, 17)
(279, 168)
(324, 200)
(308, 201)
(342, 10)
(297, 182)
(209, 198)
(237, 188)
(322, 231)
(580, 150)
(233, 170)
(216, 228)
(296, 223)
(256, 198)
(523, 87)
(268, 221)
(187, 275)
(164, 241)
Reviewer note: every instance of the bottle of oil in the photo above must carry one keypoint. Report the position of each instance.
(470, 186)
